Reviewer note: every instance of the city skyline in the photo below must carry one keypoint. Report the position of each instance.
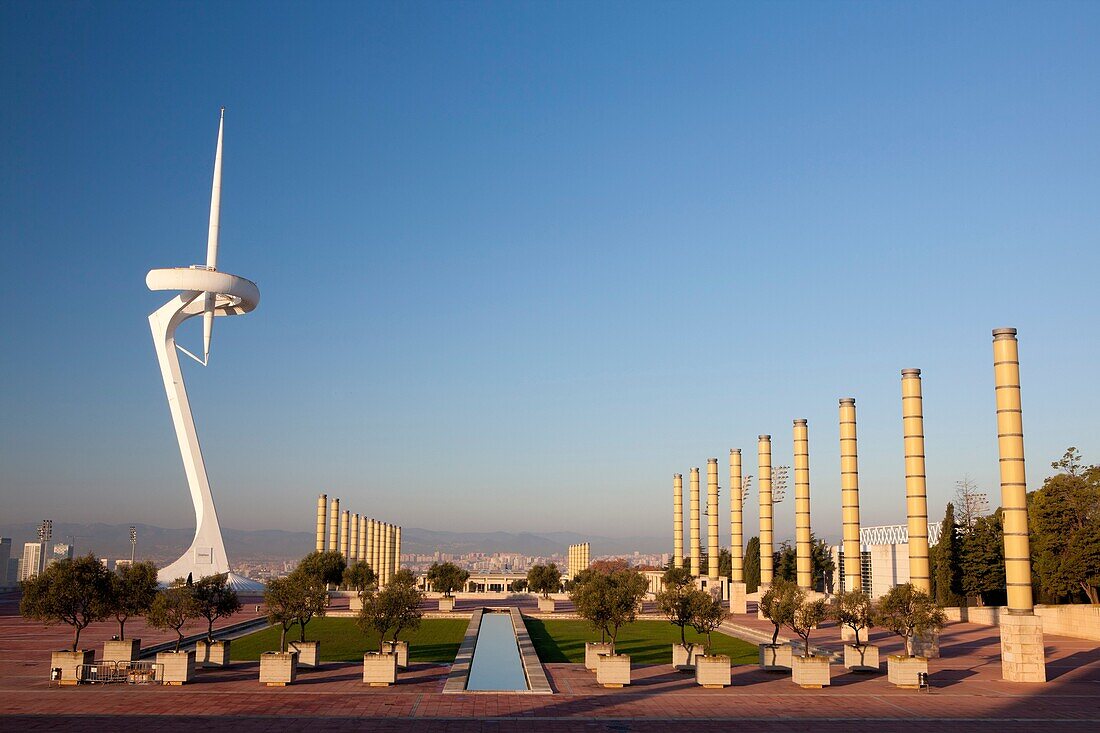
(557, 264)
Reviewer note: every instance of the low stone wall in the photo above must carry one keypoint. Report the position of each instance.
(1078, 621)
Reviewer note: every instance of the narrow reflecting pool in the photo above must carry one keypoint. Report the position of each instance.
(496, 665)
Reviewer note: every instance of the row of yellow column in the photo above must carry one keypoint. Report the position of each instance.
(358, 538)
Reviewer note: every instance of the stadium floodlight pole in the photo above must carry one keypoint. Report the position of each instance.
(202, 290)
(133, 543)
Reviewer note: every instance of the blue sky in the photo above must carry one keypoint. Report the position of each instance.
(521, 262)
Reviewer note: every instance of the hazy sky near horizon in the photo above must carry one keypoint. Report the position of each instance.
(521, 262)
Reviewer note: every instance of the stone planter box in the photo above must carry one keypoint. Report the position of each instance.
(121, 650)
(278, 669)
(712, 671)
(178, 667)
(810, 672)
(446, 604)
(904, 671)
(69, 664)
(309, 652)
(546, 605)
(862, 658)
(592, 652)
(401, 649)
(212, 654)
(775, 658)
(613, 670)
(379, 670)
(355, 603)
(682, 660)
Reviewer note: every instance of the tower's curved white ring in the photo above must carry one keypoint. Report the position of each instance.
(236, 295)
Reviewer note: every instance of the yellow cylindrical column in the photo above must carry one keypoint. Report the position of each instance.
(334, 525)
(396, 549)
(390, 547)
(737, 548)
(322, 509)
(693, 523)
(1010, 441)
(916, 497)
(764, 462)
(712, 520)
(345, 517)
(803, 565)
(353, 542)
(362, 553)
(678, 521)
(849, 495)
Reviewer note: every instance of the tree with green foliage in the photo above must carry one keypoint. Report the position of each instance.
(173, 608)
(948, 571)
(313, 598)
(328, 567)
(628, 588)
(359, 576)
(285, 599)
(805, 618)
(909, 612)
(133, 588)
(518, 586)
(1064, 518)
(677, 602)
(446, 578)
(785, 562)
(214, 600)
(75, 592)
(983, 559)
(779, 604)
(544, 579)
(707, 614)
(751, 568)
(675, 577)
(394, 609)
(590, 597)
(725, 563)
(855, 610)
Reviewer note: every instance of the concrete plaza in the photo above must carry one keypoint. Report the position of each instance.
(967, 694)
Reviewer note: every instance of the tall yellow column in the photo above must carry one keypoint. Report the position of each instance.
(353, 542)
(737, 539)
(712, 522)
(693, 523)
(390, 547)
(916, 498)
(334, 525)
(849, 495)
(362, 554)
(678, 521)
(764, 463)
(396, 549)
(1022, 653)
(322, 509)
(804, 566)
(345, 517)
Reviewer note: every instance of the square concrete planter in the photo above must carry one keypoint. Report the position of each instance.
(177, 668)
(862, 658)
(69, 664)
(379, 670)
(121, 650)
(355, 603)
(546, 605)
(401, 649)
(810, 672)
(278, 669)
(309, 652)
(446, 604)
(592, 652)
(212, 654)
(905, 671)
(775, 658)
(684, 661)
(613, 670)
(712, 671)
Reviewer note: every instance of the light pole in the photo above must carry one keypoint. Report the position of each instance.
(133, 542)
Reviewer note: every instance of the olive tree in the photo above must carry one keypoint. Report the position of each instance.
(779, 604)
(214, 600)
(75, 592)
(677, 602)
(855, 610)
(393, 609)
(359, 576)
(544, 579)
(328, 567)
(285, 599)
(173, 608)
(707, 614)
(805, 618)
(133, 589)
(446, 578)
(908, 611)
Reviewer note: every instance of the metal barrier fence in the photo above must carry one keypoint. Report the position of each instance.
(109, 672)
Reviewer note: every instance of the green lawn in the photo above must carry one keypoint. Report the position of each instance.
(647, 642)
(437, 640)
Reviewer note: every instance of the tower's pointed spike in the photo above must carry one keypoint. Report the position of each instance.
(212, 240)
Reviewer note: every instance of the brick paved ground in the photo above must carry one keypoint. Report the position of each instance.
(968, 695)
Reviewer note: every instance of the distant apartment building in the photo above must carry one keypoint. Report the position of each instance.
(34, 559)
(60, 551)
(884, 558)
(6, 579)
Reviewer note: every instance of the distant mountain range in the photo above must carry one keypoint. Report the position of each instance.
(161, 544)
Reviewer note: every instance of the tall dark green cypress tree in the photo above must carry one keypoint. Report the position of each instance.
(949, 562)
(752, 565)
